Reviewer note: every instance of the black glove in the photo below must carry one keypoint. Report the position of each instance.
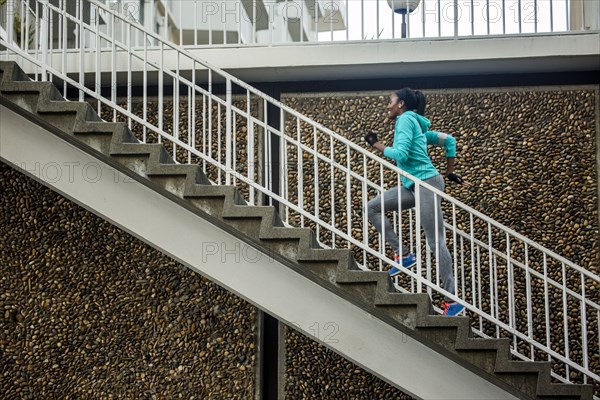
(371, 138)
(455, 178)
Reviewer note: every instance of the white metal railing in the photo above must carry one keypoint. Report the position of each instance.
(511, 286)
(233, 22)
(226, 22)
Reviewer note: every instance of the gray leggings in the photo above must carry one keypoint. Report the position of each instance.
(428, 202)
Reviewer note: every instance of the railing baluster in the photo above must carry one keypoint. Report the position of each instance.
(519, 18)
(551, 16)
(463, 287)
(254, 22)
(228, 133)
(497, 296)
(399, 213)
(547, 305)
(565, 312)
(493, 309)
(10, 11)
(529, 300)
(503, 17)
(80, 40)
(347, 10)
(98, 80)
(364, 209)
(348, 195)
(418, 237)
(487, 15)
(439, 17)
(455, 251)
(220, 160)
(472, 17)
(44, 36)
(316, 182)
(300, 174)
(130, 82)
(191, 115)
(584, 332)
(160, 89)
(64, 44)
(455, 18)
(472, 254)
(362, 20)
(382, 235)
(37, 38)
(232, 151)
(376, 20)
(332, 189)
(204, 132)
(479, 291)
(511, 289)
(535, 16)
(209, 108)
(283, 165)
(436, 239)
(251, 155)
(428, 269)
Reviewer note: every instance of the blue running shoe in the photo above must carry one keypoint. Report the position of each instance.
(407, 262)
(393, 271)
(452, 309)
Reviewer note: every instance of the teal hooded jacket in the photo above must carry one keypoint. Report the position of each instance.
(409, 149)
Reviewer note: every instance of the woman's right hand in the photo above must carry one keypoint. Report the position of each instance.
(457, 178)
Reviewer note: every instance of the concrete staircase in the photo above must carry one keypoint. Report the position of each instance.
(335, 270)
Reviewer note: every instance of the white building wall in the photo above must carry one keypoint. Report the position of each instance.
(249, 21)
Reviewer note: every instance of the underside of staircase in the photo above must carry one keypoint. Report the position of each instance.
(333, 269)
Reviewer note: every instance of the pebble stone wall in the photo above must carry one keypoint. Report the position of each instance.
(312, 371)
(89, 312)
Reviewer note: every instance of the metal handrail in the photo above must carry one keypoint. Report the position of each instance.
(217, 125)
(269, 22)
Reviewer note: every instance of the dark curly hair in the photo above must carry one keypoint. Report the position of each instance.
(414, 100)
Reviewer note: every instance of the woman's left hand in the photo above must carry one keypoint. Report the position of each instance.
(371, 138)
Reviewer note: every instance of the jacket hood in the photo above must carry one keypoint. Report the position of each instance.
(423, 122)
